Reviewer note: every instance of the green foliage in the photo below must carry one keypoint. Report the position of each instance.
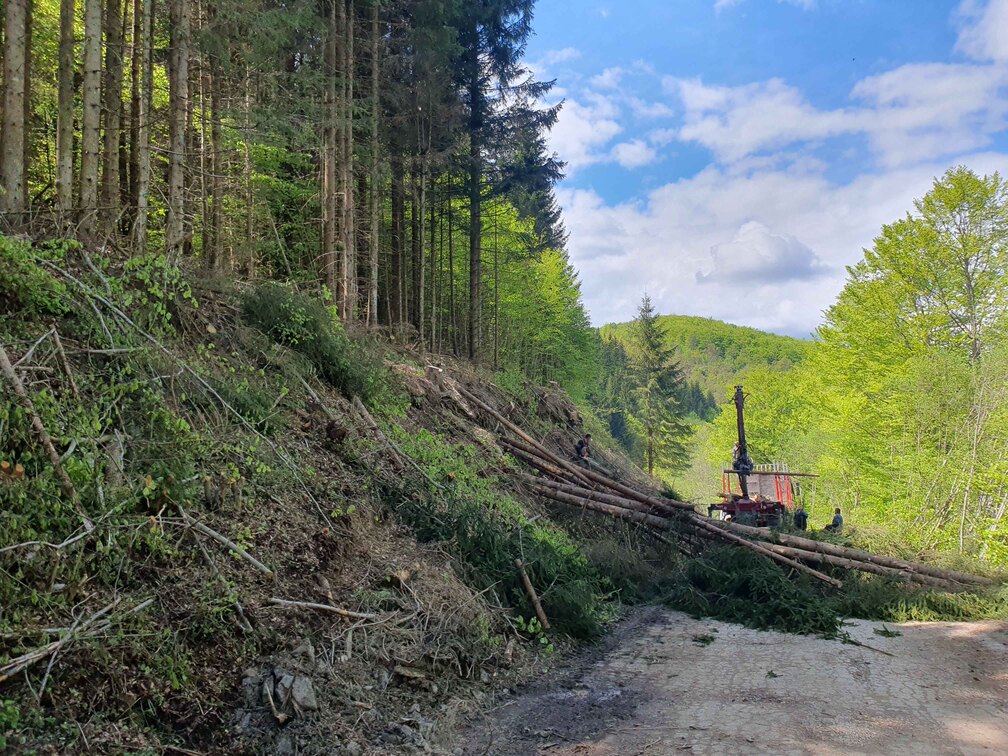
(486, 531)
(312, 329)
(736, 585)
(28, 290)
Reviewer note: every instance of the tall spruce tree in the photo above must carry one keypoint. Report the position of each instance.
(658, 380)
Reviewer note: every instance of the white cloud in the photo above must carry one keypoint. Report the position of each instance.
(913, 112)
(803, 228)
(984, 31)
(608, 79)
(582, 131)
(633, 154)
(644, 109)
(562, 55)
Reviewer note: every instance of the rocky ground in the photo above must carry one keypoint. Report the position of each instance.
(667, 683)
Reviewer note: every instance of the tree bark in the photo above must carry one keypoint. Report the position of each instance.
(398, 227)
(143, 127)
(330, 149)
(112, 97)
(178, 106)
(65, 110)
(349, 256)
(475, 207)
(91, 124)
(136, 68)
(12, 138)
(26, 142)
(372, 310)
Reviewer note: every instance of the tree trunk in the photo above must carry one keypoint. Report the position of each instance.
(398, 223)
(452, 314)
(216, 158)
(249, 204)
(475, 221)
(12, 138)
(330, 149)
(136, 67)
(65, 110)
(349, 261)
(91, 124)
(143, 127)
(178, 105)
(372, 311)
(416, 256)
(124, 114)
(112, 97)
(26, 141)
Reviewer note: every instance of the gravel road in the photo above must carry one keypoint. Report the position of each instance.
(666, 683)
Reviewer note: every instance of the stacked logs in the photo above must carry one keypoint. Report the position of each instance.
(678, 523)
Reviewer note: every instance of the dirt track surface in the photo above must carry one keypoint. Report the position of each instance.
(655, 688)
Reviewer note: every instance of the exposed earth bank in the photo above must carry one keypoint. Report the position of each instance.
(665, 683)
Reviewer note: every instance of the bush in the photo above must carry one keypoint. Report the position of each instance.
(27, 289)
(310, 328)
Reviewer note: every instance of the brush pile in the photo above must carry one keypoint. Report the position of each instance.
(678, 523)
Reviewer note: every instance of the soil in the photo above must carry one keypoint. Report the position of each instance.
(667, 683)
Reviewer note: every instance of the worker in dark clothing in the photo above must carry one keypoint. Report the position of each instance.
(582, 450)
(837, 524)
(801, 517)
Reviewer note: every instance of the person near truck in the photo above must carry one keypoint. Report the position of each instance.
(801, 517)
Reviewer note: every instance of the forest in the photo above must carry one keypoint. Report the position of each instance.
(389, 154)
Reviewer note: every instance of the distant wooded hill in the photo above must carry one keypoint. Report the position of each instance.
(713, 353)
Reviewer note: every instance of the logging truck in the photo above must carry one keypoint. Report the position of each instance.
(762, 495)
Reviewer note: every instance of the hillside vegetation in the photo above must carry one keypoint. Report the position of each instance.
(713, 353)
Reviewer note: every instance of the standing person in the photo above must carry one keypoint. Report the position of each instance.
(837, 522)
(582, 450)
(801, 517)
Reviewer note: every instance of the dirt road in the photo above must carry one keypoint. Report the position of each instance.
(667, 683)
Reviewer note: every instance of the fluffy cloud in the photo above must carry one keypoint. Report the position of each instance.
(757, 256)
(781, 238)
(984, 32)
(913, 112)
(608, 79)
(633, 154)
(583, 130)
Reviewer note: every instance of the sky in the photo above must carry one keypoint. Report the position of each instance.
(732, 157)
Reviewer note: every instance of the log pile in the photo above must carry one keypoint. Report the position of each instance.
(565, 482)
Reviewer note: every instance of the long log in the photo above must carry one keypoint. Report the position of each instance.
(602, 496)
(621, 488)
(537, 446)
(875, 569)
(857, 555)
(659, 523)
(761, 549)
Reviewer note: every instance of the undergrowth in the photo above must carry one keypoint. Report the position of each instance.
(314, 330)
(486, 530)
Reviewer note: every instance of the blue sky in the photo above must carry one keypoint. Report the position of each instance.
(731, 157)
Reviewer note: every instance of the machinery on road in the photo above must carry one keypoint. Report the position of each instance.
(761, 495)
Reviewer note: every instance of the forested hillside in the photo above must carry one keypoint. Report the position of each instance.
(713, 353)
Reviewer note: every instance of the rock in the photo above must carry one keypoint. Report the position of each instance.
(383, 678)
(303, 694)
(353, 748)
(484, 677)
(285, 746)
(306, 650)
(251, 684)
(285, 680)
